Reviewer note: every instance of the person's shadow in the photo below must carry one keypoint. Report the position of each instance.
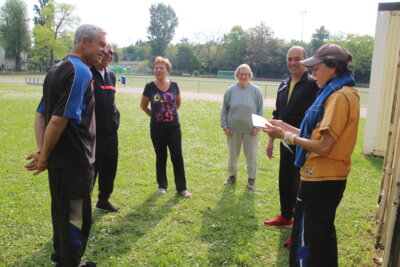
(117, 238)
(282, 257)
(229, 227)
(126, 231)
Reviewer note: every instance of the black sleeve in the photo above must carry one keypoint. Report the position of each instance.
(147, 90)
(177, 88)
(113, 78)
(275, 113)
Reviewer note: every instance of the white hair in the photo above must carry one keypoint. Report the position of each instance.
(243, 66)
(87, 30)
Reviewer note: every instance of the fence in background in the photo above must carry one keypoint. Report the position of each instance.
(201, 85)
(34, 80)
(211, 86)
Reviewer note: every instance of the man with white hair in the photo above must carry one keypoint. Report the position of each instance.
(107, 122)
(65, 135)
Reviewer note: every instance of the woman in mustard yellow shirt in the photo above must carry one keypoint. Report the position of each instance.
(325, 140)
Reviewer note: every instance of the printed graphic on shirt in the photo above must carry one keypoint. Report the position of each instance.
(167, 106)
(308, 172)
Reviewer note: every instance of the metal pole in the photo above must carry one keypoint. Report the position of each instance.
(198, 86)
(302, 25)
(265, 92)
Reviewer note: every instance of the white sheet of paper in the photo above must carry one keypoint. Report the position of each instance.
(259, 121)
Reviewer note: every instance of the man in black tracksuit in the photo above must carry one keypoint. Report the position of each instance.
(295, 96)
(107, 122)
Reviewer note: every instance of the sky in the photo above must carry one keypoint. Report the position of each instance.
(126, 21)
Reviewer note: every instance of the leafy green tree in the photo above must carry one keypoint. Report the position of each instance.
(116, 57)
(54, 38)
(38, 10)
(185, 59)
(14, 31)
(233, 48)
(171, 52)
(361, 48)
(262, 47)
(276, 68)
(208, 51)
(161, 31)
(141, 50)
(117, 52)
(318, 38)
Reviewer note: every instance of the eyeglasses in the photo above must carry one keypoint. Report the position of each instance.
(111, 53)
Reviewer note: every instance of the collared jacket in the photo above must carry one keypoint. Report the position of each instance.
(107, 114)
(303, 95)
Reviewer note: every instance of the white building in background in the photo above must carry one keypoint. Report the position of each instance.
(8, 63)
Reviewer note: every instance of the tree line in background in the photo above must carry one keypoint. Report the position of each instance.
(54, 23)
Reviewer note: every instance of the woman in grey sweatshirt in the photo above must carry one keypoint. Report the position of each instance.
(240, 101)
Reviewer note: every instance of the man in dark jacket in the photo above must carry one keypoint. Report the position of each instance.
(107, 122)
(295, 96)
(65, 134)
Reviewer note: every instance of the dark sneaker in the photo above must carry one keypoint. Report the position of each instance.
(231, 180)
(288, 243)
(106, 205)
(55, 258)
(251, 185)
(279, 221)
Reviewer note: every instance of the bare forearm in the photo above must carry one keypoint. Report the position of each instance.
(290, 128)
(285, 127)
(52, 134)
(39, 129)
(144, 105)
(146, 110)
(178, 101)
(281, 130)
(321, 146)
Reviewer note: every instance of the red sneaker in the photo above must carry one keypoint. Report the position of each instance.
(288, 242)
(279, 221)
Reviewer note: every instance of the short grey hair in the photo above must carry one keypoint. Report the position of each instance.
(243, 66)
(89, 31)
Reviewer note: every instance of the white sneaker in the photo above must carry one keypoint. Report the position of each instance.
(161, 191)
(185, 193)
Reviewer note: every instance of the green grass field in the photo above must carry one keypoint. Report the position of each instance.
(218, 226)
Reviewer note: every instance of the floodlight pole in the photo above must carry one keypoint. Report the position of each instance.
(303, 13)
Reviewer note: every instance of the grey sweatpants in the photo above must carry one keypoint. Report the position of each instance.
(250, 148)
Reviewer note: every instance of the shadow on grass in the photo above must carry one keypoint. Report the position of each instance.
(376, 162)
(282, 257)
(115, 239)
(121, 235)
(229, 228)
(41, 257)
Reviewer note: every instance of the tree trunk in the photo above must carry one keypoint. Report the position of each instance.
(18, 62)
(51, 58)
(255, 72)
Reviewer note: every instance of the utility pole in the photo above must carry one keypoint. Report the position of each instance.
(303, 13)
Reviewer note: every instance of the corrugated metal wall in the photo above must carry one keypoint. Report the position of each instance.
(382, 136)
(389, 198)
(383, 70)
